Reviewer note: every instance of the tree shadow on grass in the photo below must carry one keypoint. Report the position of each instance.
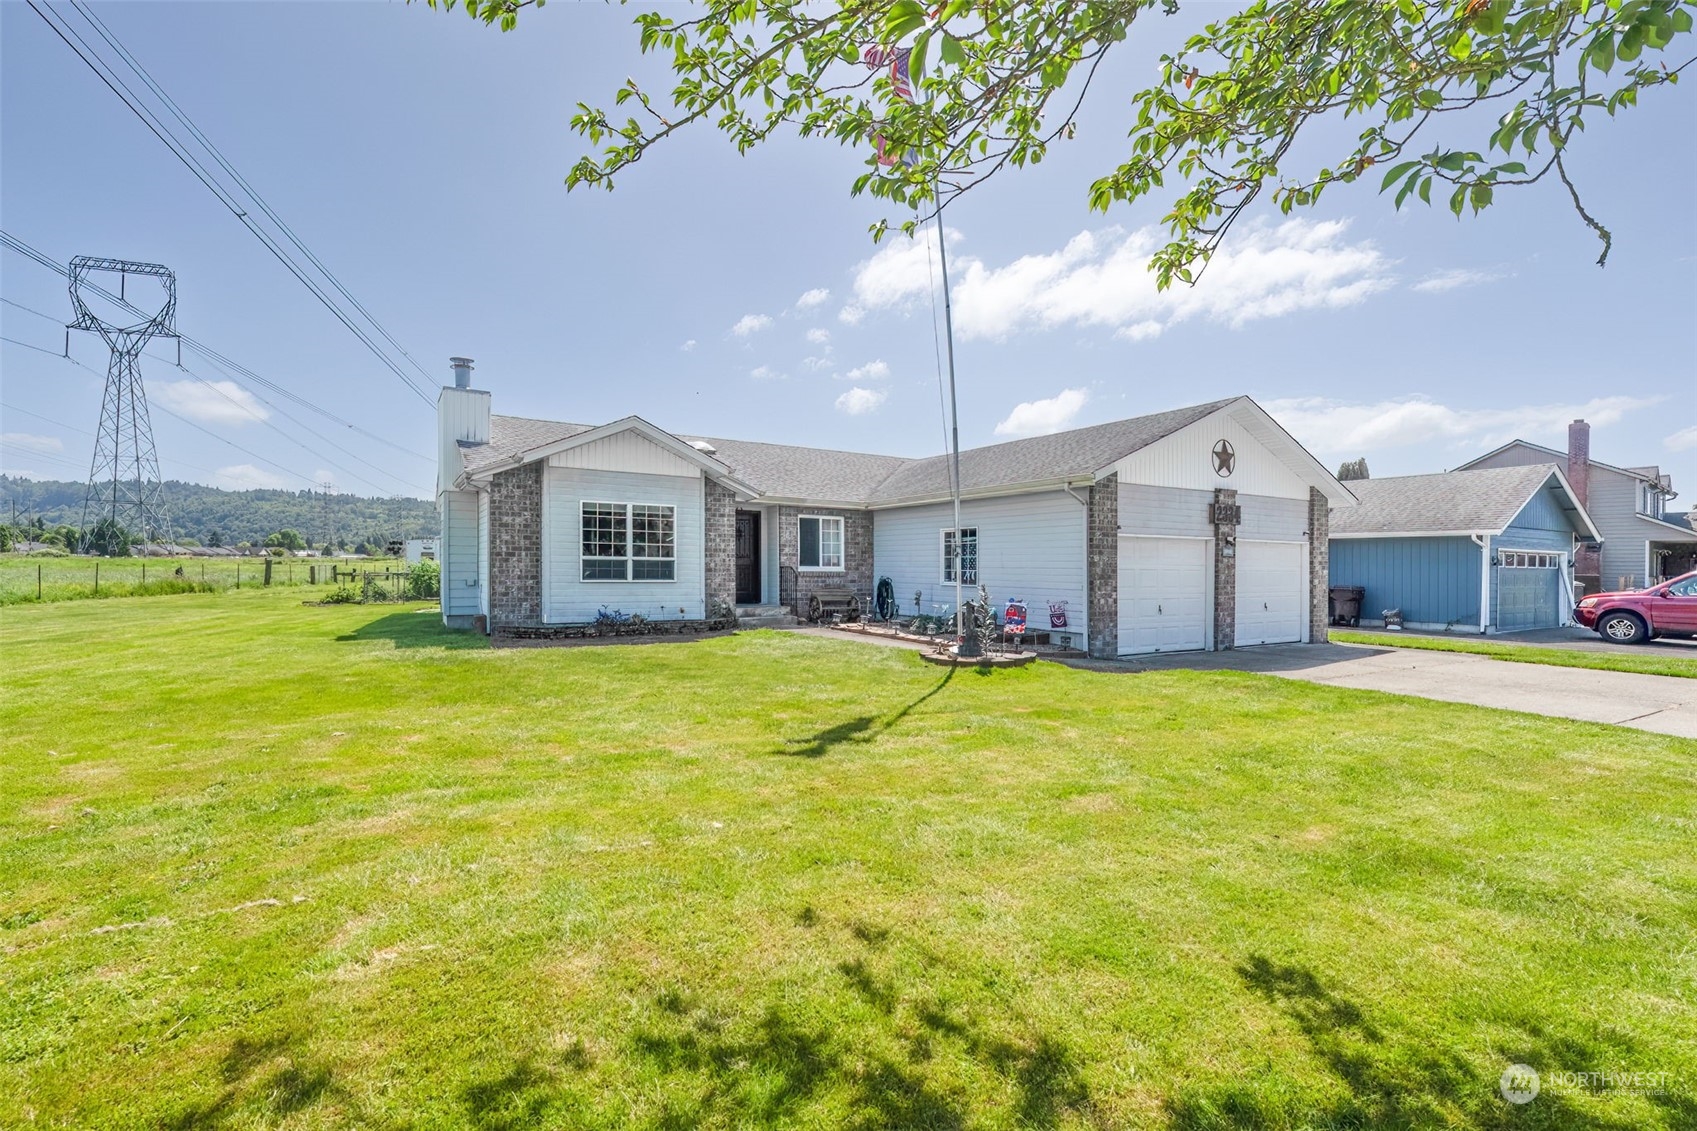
(420, 629)
(1392, 1081)
(857, 730)
(768, 1068)
(271, 1076)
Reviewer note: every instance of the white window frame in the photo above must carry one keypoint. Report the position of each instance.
(842, 544)
(1531, 559)
(945, 575)
(630, 557)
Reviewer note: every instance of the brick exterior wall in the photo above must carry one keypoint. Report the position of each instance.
(1225, 575)
(794, 586)
(1319, 566)
(1102, 567)
(515, 547)
(721, 544)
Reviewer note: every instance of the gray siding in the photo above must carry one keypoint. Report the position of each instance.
(567, 598)
(1434, 581)
(1030, 547)
(461, 582)
(1176, 512)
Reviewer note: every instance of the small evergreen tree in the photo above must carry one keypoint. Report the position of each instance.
(1353, 469)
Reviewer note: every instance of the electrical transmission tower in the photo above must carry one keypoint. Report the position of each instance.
(123, 479)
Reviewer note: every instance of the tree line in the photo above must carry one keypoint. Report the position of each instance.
(211, 516)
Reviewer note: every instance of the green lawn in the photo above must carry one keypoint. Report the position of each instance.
(28, 579)
(265, 865)
(1649, 662)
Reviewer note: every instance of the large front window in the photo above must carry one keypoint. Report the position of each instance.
(629, 542)
(821, 542)
(966, 558)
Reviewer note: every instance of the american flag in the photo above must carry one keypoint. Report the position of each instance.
(896, 57)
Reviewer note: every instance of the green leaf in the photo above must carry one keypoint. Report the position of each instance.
(1453, 162)
(951, 50)
(903, 17)
(1426, 190)
(1481, 197)
(1630, 44)
(916, 58)
(1429, 99)
(1396, 173)
(1681, 20)
(1511, 167)
(1602, 53)
(1458, 200)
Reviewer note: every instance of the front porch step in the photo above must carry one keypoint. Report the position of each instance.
(762, 610)
(778, 619)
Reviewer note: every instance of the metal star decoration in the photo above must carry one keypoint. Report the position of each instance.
(1225, 459)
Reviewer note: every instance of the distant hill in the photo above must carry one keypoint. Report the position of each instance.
(239, 516)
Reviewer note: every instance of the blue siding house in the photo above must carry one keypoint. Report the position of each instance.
(1465, 551)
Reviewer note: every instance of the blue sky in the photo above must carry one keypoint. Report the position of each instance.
(422, 157)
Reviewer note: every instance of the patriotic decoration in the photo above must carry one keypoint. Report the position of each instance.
(1013, 620)
(1057, 614)
(896, 58)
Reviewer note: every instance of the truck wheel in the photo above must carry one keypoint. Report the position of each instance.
(1622, 628)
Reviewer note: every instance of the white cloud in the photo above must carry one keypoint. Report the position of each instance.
(246, 477)
(26, 473)
(25, 441)
(818, 337)
(211, 402)
(871, 371)
(850, 315)
(1450, 280)
(1040, 418)
(765, 373)
(1683, 440)
(812, 298)
(1343, 428)
(858, 401)
(687, 346)
(1101, 278)
(750, 324)
(815, 364)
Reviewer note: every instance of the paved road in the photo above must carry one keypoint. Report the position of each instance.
(1661, 703)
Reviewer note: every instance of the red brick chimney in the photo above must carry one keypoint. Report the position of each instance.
(1579, 461)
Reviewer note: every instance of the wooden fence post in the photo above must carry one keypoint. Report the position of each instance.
(38, 580)
(238, 575)
(97, 579)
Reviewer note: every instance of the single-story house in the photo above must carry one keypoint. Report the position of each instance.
(1203, 527)
(1479, 551)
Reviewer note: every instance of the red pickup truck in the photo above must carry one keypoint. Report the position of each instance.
(1637, 615)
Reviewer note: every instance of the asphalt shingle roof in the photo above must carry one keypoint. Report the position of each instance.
(792, 472)
(1460, 501)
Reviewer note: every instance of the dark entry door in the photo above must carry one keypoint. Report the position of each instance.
(748, 558)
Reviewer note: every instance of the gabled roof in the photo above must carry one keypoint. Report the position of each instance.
(788, 472)
(1483, 501)
(1076, 454)
(1649, 474)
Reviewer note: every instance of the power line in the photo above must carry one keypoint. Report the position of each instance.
(218, 156)
(115, 83)
(298, 443)
(228, 367)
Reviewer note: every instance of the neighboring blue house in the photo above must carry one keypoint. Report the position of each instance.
(1471, 551)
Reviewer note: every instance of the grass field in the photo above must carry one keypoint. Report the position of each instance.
(264, 865)
(1649, 662)
(28, 580)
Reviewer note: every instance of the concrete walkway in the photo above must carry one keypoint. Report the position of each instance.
(1661, 703)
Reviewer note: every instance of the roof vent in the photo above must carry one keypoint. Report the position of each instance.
(703, 446)
(462, 371)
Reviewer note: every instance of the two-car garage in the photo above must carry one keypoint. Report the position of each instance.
(1165, 590)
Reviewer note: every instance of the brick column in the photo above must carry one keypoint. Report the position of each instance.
(1225, 570)
(515, 547)
(720, 544)
(1102, 567)
(1319, 566)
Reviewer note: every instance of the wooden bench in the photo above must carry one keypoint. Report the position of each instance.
(826, 604)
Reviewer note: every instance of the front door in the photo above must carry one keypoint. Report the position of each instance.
(748, 558)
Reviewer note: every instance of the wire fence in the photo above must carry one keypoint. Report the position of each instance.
(26, 579)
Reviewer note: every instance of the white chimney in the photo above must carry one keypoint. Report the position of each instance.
(462, 414)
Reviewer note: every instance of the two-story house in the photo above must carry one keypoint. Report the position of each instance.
(1643, 542)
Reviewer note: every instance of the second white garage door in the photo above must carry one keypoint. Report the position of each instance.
(1271, 585)
(1163, 594)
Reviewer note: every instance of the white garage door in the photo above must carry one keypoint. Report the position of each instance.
(1271, 584)
(1163, 594)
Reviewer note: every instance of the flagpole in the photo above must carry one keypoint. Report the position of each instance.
(963, 645)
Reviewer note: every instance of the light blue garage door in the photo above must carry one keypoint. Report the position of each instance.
(1528, 590)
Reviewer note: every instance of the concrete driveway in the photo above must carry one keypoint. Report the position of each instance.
(1661, 703)
(1571, 639)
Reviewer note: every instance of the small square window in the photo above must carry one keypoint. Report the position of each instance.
(819, 542)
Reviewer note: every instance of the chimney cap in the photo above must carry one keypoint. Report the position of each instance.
(462, 371)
